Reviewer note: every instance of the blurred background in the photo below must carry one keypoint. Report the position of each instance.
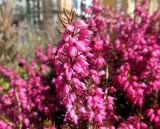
(27, 23)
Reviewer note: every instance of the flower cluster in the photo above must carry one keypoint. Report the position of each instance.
(30, 98)
(130, 51)
(103, 74)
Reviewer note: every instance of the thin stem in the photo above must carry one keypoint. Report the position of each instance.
(65, 13)
(72, 15)
(19, 107)
(6, 120)
(61, 21)
(107, 75)
(64, 18)
(59, 32)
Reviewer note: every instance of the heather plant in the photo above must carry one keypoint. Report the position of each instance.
(103, 74)
(131, 52)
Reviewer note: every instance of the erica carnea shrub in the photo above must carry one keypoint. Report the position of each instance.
(104, 73)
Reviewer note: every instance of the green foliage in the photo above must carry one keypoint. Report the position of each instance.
(4, 84)
(22, 72)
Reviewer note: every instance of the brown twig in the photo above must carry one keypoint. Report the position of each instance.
(61, 21)
(73, 16)
(66, 19)
(6, 120)
(19, 107)
(107, 75)
(65, 13)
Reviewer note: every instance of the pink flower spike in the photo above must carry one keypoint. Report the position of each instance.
(152, 117)
(101, 73)
(89, 99)
(72, 97)
(27, 122)
(158, 112)
(85, 33)
(72, 113)
(68, 105)
(66, 36)
(156, 119)
(81, 46)
(83, 86)
(66, 88)
(97, 98)
(82, 110)
(95, 1)
(67, 65)
(72, 51)
(72, 40)
(80, 24)
(78, 68)
(144, 125)
(103, 128)
(150, 112)
(82, 62)
(73, 116)
(99, 91)
(68, 73)
(75, 119)
(99, 118)
(69, 28)
(90, 55)
(90, 115)
(76, 81)
(88, 11)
